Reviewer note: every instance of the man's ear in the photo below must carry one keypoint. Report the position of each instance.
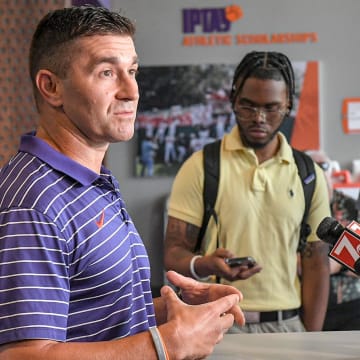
(49, 87)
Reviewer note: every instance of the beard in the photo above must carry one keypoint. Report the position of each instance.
(256, 144)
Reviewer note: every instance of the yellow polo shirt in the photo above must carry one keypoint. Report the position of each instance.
(260, 208)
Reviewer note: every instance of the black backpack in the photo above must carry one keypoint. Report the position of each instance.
(211, 155)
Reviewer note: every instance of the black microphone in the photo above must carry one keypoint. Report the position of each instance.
(345, 242)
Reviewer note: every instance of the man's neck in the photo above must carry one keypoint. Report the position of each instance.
(269, 150)
(73, 146)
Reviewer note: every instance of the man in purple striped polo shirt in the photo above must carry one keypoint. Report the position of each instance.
(74, 273)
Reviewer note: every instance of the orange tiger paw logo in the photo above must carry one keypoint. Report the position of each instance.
(233, 13)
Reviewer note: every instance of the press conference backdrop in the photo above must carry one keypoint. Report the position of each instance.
(18, 20)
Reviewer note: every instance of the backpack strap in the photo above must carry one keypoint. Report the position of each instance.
(211, 161)
(307, 175)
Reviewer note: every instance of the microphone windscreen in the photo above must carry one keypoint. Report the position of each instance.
(324, 227)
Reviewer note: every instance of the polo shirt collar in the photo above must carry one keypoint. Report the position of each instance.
(35, 146)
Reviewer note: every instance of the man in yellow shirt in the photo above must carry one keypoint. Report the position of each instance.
(259, 207)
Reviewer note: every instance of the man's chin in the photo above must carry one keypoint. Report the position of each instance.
(124, 135)
(255, 144)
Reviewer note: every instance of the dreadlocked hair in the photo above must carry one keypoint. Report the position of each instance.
(266, 66)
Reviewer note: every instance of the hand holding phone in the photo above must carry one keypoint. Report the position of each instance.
(241, 261)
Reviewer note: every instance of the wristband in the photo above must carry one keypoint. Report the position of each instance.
(159, 345)
(163, 344)
(192, 269)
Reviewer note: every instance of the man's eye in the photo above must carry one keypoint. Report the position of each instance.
(272, 108)
(107, 73)
(134, 72)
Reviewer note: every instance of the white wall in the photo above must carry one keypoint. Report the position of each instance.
(158, 41)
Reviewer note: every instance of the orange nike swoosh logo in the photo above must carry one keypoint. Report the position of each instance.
(100, 223)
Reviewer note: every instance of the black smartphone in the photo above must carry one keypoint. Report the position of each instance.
(241, 261)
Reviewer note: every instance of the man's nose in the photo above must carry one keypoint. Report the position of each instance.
(127, 88)
(261, 113)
